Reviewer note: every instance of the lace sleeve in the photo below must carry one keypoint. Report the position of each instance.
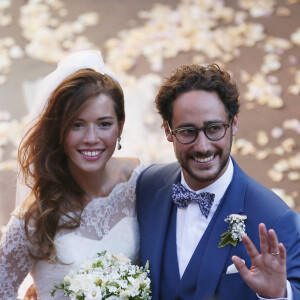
(15, 261)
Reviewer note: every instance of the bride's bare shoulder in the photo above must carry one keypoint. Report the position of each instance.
(126, 165)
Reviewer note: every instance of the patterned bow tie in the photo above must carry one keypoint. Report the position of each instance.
(183, 197)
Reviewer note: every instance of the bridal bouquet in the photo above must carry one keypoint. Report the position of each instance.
(109, 277)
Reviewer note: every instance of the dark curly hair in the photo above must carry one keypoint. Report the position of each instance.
(196, 77)
(43, 161)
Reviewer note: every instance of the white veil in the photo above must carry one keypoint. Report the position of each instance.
(70, 64)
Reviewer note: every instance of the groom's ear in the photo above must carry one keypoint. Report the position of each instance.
(167, 131)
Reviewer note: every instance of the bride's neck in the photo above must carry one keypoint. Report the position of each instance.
(100, 183)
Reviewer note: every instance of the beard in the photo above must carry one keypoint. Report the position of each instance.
(204, 176)
(209, 177)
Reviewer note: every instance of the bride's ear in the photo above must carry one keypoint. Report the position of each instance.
(121, 125)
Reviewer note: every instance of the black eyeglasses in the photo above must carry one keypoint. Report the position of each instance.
(188, 135)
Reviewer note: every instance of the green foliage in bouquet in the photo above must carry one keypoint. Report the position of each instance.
(108, 277)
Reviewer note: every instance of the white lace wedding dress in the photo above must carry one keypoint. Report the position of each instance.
(107, 224)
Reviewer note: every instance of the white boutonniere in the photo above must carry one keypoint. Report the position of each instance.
(236, 229)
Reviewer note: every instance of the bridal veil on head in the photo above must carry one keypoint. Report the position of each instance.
(70, 64)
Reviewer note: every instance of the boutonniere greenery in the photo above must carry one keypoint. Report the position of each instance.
(236, 229)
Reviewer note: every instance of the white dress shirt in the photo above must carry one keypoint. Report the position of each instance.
(191, 224)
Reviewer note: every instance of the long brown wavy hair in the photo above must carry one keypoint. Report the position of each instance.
(43, 161)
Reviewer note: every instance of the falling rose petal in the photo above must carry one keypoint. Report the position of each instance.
(262, 138)
(289, 145)
(282, 11)
(292, 124)
(295, 37)
(293, 60)
(277, 132)
(262, 154)
(281, 166)
(275, 175)
(294, 176)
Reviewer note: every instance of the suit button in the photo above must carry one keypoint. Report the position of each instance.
(177, 298)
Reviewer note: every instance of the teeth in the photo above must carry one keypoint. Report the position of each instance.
(204, 160)
(90, 153)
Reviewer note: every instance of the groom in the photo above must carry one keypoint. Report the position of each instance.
(182, 206)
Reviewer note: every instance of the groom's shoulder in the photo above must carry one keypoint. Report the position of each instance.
(158, 171)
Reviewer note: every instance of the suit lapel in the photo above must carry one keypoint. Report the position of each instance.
(214, 258)
(161, 214)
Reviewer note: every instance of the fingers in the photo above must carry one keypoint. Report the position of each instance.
(240, 266)
(251, 249)
(30, 293)
(273, 241)
(29, 298)
(275, 248)
(282, 254)
(268, 244)
(264, 239)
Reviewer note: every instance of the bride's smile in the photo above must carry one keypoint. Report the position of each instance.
(92, 139)
(82, 200)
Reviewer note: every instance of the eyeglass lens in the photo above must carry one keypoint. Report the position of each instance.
(213, 132)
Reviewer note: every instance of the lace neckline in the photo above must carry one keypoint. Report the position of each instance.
(136, 171)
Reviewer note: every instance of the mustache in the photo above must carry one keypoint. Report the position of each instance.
(202, 155)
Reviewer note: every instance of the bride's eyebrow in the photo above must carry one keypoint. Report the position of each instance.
(99, 119)
(105, 118)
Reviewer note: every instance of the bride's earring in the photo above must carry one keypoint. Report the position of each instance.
(119, 143)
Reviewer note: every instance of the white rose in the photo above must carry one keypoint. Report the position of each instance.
(94, 293)
(67, 280)
(112, 289)
(82, 282)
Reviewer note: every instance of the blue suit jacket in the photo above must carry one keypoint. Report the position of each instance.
(243, 196)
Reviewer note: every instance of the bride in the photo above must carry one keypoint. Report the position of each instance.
(82, 200)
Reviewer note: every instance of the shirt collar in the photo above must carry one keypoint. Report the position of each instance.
(218, 187)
